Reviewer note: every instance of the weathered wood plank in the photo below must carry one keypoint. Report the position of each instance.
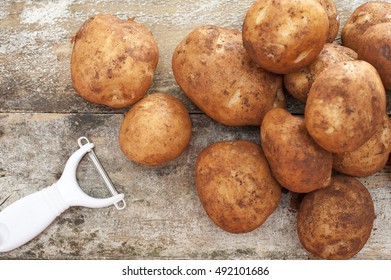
(35, 46)
(164, 218)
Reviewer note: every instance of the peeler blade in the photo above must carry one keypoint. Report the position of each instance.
(121, 204)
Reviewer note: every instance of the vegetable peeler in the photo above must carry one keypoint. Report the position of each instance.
(26, 218)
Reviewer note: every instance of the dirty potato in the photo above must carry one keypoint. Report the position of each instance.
(369, 158)
(283, 36)
(332, 15)
(345, 106)
(298, 83)
(113, 61)
(235, 185)
(336, 222)
(375, 48)
(214, 71)
(296, 161)
(156, 129)
(365, 16)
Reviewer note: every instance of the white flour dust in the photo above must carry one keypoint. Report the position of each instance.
(45, 13)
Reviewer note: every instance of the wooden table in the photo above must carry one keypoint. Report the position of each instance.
(41, 119)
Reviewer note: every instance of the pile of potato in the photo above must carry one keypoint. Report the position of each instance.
(239, 78)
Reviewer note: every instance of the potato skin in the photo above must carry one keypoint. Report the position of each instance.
(296, 161)
(299, 83)
(283, 36)
(214, 71)
(235, 185)
(369, 158)
(365, 16)
(336, 222)
(156, 129)
(345, 106)
(113, 61)
(332, 15)
(375, 48)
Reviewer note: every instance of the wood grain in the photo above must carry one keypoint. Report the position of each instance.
(41, 118)
(164, 218)
(35, 40)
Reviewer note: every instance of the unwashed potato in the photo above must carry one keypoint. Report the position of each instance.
(299, 83)
(297, 162)
(283, 36)
(332, 15)
(235, 185)
(362, 18)
(375, 48)
(156, 129)
(213, 69)
(113, 61)
(369, 158)
(336, 222)
(345, 106)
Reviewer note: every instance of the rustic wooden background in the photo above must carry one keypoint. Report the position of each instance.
(41, 119)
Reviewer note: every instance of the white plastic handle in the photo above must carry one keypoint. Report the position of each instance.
(26, 218)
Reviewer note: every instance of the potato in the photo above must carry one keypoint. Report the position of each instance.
(298, 83)
(375, 48)
(369, 158)
(336, 222)
(113, 61)
(345, 106)
(296, 161)
(213, 69)
(362, 18)
(156, 129)
(283, 36)
(235, 185)
(332, 15)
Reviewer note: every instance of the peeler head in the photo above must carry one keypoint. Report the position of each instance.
(70, 189)
(91, 202)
